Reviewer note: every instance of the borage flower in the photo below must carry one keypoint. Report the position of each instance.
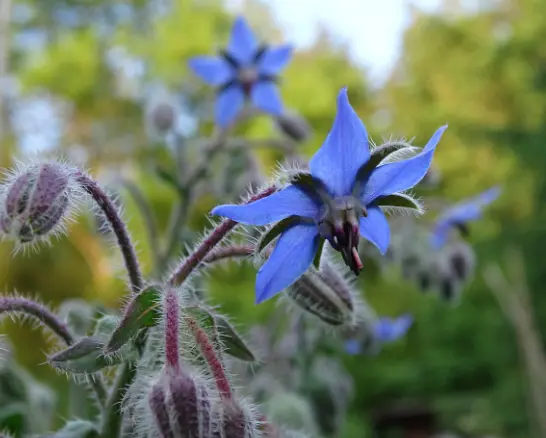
(459, 215)
(385, 330)
(340, 199)
(246, 70)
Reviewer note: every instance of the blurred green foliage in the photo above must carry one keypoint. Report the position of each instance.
(484, 72)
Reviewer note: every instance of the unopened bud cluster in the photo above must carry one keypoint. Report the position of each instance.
(36, 201)
(325, 294)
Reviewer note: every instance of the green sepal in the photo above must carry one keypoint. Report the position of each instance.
(398, 200)
(318, 255)
(276, 230)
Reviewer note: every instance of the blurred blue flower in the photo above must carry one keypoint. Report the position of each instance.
(245, 70)
(337, 201)
(385, 330)
(460, 214)
(391, 329)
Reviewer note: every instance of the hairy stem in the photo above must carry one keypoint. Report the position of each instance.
(212, 359)
(208, 244)
(228, 252)
(111, 425)
(118, 227)
(42, 313)
(171, 314)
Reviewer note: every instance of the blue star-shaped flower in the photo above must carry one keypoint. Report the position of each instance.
(245, 70)
(338, 201)
(385, 330)
(460, 214)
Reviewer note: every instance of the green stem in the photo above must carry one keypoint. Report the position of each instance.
(112, 421)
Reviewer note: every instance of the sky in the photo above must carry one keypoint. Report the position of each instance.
(373, 29)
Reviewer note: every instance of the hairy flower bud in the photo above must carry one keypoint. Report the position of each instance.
(234, 421)
(161, 113)
(461, 259)
(294, 126)
(190, 405)
(324, 294)
(158, 406)
(36, 201)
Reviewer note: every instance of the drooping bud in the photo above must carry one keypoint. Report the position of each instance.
(161, 113)
(461, 259)
(158, 406)
(36, 202)
(235, 422)
(294, 126)
(324, 294)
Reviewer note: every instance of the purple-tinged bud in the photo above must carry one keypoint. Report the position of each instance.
(324, 294)
(235, 422)
(190, 405)
(162, 112)
(294, 126)
(36, 202)
(158, 406)
(461, 259)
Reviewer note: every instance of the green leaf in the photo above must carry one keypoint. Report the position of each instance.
(76, 429)
(318, 255)
(276, 230)
(13, 418)
(203, 317)
(168, 177)
(233, 343)
(399, 200)
(142, 311)
(219, 328)
(82, 348)
(85, 357)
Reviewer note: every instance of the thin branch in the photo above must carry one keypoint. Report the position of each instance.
(208, 244)
(118, 227)
(43, 314)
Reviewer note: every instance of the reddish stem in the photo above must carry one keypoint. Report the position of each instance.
(171, 312)
(229, 252)
(209, 353)
(184, 270)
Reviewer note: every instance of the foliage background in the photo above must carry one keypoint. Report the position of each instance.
(484, 72)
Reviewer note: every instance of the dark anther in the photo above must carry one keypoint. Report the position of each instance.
(463, 228)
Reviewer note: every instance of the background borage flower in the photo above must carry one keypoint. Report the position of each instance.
(245, 71)
(339, 200)
(460, 214)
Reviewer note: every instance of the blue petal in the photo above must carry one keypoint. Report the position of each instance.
(466, 211)
(274, 59)
(402, 175)
(213, 70)
(228, 105)
(287, 202)
(265, 96)
(401, 325)
(292, 256)
(344, 151)
(383, 329)
(375, 228)
(242, 43)
(352, 346)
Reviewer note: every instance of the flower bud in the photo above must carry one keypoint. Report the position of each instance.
(461, 259)
(161, 113)
(324, 294)
(190, 405)
(294, 126)
(234, 421)
(158, 407)
(36, 202)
